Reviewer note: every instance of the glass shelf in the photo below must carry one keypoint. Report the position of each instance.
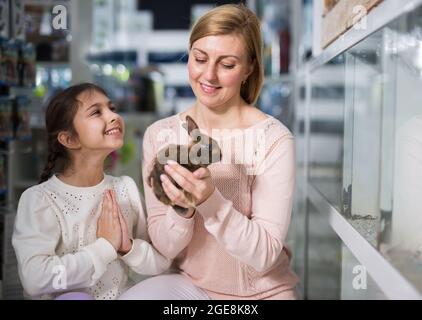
(364, 157)
(326, 130)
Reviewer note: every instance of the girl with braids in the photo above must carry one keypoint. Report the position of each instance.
(74, 232)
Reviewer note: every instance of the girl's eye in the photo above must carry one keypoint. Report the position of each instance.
(113, 108)
(96, 112)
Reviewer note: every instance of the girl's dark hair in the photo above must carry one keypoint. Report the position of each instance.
(59, 116)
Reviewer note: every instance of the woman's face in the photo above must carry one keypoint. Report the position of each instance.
(217, 67)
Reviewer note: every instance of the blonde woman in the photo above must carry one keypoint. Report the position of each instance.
(231, 245)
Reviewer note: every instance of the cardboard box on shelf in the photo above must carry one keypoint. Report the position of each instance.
(341, 15)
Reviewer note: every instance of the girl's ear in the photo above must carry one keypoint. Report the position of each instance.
(68, 140)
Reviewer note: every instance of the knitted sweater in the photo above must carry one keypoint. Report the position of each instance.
(234, 245)
(57, 248)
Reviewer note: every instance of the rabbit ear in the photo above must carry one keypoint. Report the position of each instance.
(191, 125)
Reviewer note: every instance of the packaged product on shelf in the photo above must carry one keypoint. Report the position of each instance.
(329, 4)
(22, 118)
(2, 73)
(9, 63)
(26, 65)
(6, 128)
(4, 19)
(3, 63)
(3, 182)
(284, 35)
(18, 19)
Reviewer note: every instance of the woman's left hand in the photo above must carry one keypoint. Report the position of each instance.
(198, 183)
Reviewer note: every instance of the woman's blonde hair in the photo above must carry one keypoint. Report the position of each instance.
(236, 19)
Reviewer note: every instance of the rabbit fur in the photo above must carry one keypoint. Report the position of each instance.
(202, 151)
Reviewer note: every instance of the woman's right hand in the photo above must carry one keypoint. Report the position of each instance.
(108, 225)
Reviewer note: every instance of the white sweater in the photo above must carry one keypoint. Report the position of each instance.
(57, 248)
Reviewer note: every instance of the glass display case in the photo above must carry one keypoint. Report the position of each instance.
(359, 148)
(383, 142)
(326, 129)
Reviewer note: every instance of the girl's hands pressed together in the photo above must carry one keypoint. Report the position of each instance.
(126, 242)
(108, 225)
(199, 184)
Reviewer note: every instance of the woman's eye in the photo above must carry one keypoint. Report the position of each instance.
(228, 66)
(200, 60)
(95, 112)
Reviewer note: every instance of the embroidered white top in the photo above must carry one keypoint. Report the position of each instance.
(56, 244)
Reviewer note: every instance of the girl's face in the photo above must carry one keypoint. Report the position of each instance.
(217, 67)
(97, 124)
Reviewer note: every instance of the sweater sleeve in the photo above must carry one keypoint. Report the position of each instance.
(257, 241)
(36, 234)
(169, 232)
(142, 258)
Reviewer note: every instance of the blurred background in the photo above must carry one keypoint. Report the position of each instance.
(343, 76)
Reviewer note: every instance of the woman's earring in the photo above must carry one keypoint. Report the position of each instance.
(243, 82)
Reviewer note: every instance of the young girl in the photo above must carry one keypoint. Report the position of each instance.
(74, 231)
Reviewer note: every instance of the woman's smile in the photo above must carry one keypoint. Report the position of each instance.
(209, 89)
(217, 67)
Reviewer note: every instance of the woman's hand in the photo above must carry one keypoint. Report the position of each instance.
(108, 225)
(126, 242)
(199, 184)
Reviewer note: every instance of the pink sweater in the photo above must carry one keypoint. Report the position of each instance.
(233, 247)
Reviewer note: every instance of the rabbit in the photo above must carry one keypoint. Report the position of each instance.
(202, 151)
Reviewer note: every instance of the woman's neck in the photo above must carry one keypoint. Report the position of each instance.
(218, 118)
(84, 172)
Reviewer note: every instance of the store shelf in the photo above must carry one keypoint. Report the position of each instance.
(53, 64)
(386, 12)
(392, 283)
(279, 78)
(45, 2)
(352, 177)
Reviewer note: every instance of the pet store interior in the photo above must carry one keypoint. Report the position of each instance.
(344, 77)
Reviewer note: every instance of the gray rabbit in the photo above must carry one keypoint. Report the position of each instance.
(202, 151)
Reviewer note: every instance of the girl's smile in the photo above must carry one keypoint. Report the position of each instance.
(115, 131)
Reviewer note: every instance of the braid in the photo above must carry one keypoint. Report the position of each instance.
(54, 153)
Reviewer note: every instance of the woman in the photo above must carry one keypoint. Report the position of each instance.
(232, 244)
